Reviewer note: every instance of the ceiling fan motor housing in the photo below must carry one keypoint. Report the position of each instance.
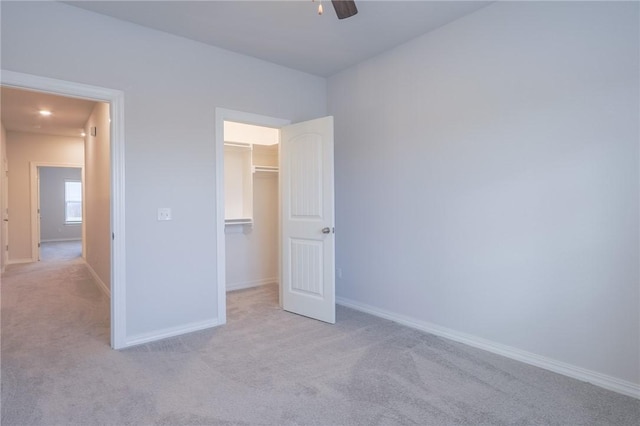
(344, 8)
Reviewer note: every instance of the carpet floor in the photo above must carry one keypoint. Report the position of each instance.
(264, 367)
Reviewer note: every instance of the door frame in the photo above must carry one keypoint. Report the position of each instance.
(4, 204)
(222, 115)
(34, 184)
(115, 99)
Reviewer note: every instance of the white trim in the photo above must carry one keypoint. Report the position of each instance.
(250, 284)
(118, 245)
(116, 100)
(221, 115)
(60, 240)
(17, 261)
(153, 336)
(608, 382)
(101, 285)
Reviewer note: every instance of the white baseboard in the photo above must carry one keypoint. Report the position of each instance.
(101, 285)
(250, 284)
(60, 240)
(608, 382)
(153, 336)
(15, 261)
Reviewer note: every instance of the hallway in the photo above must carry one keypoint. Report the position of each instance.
(48, 309)
(59, 251)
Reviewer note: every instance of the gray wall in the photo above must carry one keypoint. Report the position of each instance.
(52, 208)
(171, 86)
(487, 181)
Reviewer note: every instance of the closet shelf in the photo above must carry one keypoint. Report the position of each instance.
(239, 145)
(269, 169)
(239, 221)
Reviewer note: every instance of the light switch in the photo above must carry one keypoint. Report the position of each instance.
(164, 213)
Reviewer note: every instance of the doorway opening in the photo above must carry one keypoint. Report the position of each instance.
(246, 234)
(306, 242)
(114, 101)
(251, 205)
(48, 155)
(59, 209)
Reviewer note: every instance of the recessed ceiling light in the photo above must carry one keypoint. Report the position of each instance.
(83, 134)
(45, 113)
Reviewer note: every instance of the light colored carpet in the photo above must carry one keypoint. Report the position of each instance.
(62, 250)
(265, 367)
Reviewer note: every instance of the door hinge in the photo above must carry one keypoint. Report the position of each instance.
(38, 245)
(113, 236)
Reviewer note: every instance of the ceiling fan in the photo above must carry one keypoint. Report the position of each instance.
(344, 8)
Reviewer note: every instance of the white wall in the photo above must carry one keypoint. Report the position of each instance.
(52, 204)
(22, 150)
(487, 181)
(171, 87)
(97, 193)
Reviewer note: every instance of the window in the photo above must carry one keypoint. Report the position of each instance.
(72, 201)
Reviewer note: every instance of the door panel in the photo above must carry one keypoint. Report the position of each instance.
(307, 214)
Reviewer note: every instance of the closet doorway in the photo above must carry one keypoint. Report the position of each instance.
(251, 205)
(305, 208)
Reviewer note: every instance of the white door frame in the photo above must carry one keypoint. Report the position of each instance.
(222, 115)
(3, 214)
(115, 98)
(34, 182)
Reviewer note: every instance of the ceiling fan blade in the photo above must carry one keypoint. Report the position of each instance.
(344, 8)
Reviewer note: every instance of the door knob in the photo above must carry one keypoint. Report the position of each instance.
(326, 230)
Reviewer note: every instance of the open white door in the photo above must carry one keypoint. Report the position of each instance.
(307, 216)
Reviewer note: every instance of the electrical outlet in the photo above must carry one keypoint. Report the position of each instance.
(164, 213)
(339, 272)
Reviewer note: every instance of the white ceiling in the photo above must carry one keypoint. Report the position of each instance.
(20, 112)
(290, 32)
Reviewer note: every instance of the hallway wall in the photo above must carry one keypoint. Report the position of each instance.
(97, 193)
(22, 149)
